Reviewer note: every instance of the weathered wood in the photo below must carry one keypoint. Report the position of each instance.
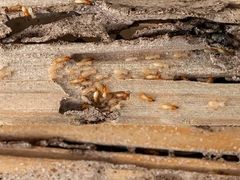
(189, 44)
(29, 89)
(22, 167)
(149, 136)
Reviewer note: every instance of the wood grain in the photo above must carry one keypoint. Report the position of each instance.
(22, 167)
(30, 90)
(149, 136)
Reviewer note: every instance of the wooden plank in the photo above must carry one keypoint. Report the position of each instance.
(13, 167)
(149, 136)
(30, 89)
(25, 102)
(192, 110)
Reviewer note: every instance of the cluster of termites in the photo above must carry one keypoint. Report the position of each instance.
(157, 68)
(94, 90)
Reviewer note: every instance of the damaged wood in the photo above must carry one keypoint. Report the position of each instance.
(152, 84)
(60, 149)
(183, 138)
(177, 72)
(154, 21)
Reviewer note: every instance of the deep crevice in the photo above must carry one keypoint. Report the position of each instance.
(213, 32)
(216, 80)
(159, 152)
(64, 144)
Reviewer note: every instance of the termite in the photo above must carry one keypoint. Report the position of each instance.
(146, 97)
(124, 95)
(62, 59)
(88, 73)
(15, 8)
(5, 72)
(57, 64)
(25, 11)
(121, 73)
(80, 79)
(87, 90)
(152, 57)
(215, 104)
(105, 91)
(152, 77)
(85, 62)
(75, 81)
(147, 71)
(85, 99)
(100, 77)
(53, 72)
(87, 83)
(99, 86)
(160, 65)
(169, 106)
(131, 59)
(96, 96)
(180, 54)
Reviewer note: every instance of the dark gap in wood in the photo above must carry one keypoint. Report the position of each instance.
(87, 146)
(213, 32)
(231, 158)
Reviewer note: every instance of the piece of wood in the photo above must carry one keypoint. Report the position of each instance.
(170, 66)
(30, 89)
(149, 136)
(21, 167)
